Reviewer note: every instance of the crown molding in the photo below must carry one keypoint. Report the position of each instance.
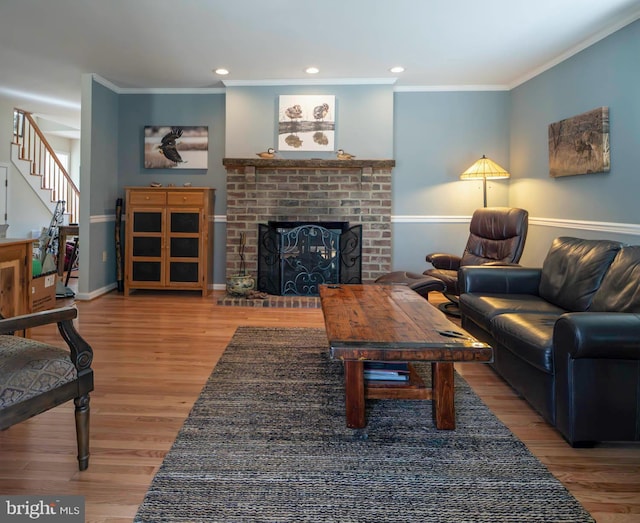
(448, 88)
(173, 90)
(105, 83)
(600, 35)
(156, 90)
(315, 81)
(240, 83)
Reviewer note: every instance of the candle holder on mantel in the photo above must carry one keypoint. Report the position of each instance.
(241, 284)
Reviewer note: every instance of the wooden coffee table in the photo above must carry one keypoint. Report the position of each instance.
(394, 323)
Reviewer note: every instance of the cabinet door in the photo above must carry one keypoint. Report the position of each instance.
(15, 281)
(11, 297)
(147, 245)
(184, 237)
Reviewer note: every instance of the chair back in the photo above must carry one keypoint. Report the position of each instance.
(497, 235)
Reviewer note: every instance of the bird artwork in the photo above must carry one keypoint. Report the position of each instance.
(168, 145)
(320, 111)
(269, 153)
(294, 112)
(344, 156)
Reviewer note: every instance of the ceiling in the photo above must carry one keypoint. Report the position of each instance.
(45, 47)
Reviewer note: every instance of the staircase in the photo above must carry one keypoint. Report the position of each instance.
(38, 163)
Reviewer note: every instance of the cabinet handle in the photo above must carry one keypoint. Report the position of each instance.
(184, 198)
(146, 197)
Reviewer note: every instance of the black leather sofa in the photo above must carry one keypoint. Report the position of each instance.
(566, 336)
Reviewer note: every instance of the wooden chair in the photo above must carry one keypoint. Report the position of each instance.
(35, 376)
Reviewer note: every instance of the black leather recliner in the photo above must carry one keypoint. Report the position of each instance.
(496, 236)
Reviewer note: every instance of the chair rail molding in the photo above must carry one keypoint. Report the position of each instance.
(585, 225)
(613, 227)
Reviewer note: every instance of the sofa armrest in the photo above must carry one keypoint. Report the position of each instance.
(610, 335)
(503, 279)
(439, 260)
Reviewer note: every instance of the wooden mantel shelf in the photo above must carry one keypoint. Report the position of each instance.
(279, 163)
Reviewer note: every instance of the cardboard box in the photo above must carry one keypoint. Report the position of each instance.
(43, 292)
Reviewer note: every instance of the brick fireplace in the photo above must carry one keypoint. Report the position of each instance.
(353, 191)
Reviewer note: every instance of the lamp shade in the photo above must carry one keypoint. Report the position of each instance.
(484, 169)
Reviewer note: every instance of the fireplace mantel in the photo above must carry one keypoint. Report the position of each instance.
(280, 163)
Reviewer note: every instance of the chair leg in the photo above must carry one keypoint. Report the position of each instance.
(82, 430)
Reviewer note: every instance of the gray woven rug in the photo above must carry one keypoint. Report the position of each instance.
(266, 441)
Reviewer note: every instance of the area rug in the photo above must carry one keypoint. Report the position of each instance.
(266, 441)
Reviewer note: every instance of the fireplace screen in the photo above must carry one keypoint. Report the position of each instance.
(295, 257)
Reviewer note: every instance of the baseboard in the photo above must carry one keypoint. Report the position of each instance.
(83, 296)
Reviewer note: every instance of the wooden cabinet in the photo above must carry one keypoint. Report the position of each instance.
(15, 277)
(169, 238)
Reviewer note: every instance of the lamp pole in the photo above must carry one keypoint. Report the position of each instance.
(484, 190)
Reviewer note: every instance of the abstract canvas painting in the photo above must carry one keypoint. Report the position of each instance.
(580, 144)
(306, 123)
(176, 147)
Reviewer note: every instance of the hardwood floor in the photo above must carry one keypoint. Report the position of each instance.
(153, 353)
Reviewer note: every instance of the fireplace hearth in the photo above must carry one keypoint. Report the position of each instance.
(295, 257)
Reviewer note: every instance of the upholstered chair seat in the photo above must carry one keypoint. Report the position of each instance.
(35, 376)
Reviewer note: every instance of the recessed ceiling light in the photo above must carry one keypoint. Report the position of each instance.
(221, 71)
(397, 69)
(312, 70)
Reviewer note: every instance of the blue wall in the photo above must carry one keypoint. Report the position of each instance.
(605, 74)
(99, 182)
(437, 136)
(364, 120)
(139, 110)
(250, 115)
(433, 136)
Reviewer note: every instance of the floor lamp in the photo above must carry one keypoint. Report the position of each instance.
(484, 169)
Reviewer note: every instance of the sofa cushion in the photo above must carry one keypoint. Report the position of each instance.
(573, 270)
(482, 308)
(620, 288)
(528, 335)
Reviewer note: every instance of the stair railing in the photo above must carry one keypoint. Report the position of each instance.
(35, 148)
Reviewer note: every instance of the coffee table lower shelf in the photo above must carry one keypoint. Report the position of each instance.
(358, 390)
(412, 389)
